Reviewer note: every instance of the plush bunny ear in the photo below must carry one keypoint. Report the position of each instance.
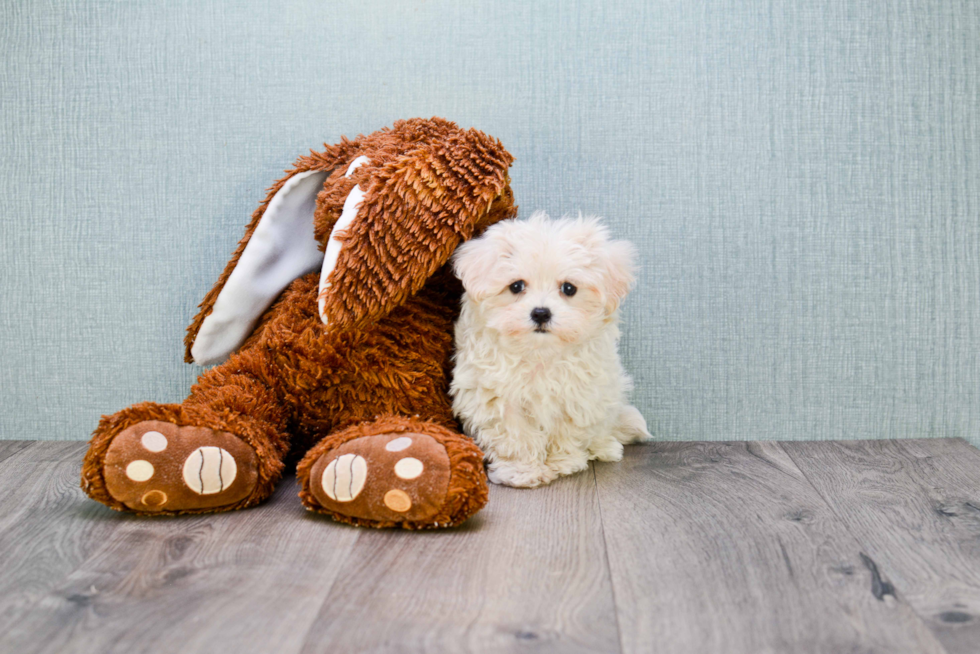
(405, 216)
(413, 193)
(281, 248)
(278, 246)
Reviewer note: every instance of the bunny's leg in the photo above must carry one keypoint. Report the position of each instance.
(394, 472)
(221, 449)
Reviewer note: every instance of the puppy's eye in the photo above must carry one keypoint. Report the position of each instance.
(568, 289)
(517, 287)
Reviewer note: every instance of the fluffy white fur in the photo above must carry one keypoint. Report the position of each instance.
(542, 400)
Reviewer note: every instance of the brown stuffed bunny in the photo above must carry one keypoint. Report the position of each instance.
(348, 365)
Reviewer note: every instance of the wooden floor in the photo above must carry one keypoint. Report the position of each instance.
(867, 546)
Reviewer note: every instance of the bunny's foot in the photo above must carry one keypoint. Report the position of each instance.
(395, 472)
(154, 459)
(157, 466)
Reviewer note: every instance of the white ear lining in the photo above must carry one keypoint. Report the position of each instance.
(347, 215)
(354, 165)
(282, 248)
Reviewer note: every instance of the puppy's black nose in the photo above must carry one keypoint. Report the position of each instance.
(541, 315)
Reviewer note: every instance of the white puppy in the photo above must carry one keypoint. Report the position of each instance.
(538, 382)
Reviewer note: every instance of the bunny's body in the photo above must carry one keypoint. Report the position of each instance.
(348, 367)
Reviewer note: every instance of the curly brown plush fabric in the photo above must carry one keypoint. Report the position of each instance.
(378, 368)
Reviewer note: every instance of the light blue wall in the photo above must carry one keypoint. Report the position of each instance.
(802, 178)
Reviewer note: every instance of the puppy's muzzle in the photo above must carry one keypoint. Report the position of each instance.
(541, 317)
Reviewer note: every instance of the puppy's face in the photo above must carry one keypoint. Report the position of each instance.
(544, 283)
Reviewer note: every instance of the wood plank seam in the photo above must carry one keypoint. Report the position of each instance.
(879, 587)
(527, 573)
(605, 553)
(725, 547)
(328, 595)
(65, 588)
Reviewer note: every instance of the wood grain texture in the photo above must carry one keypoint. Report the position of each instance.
(725, 547)
(915, 505)
(9, 448)
(527, 574)
(47, 527)
(682, 547)
(246, 581)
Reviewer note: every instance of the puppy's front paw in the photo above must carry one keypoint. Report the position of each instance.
(520, 475)
(606, 449)
(567, 463)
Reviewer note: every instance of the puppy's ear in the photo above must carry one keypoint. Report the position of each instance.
(617, 260)
(474, 262)
(614, 259)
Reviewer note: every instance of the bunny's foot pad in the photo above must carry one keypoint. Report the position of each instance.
(386, 478)
(159, 467)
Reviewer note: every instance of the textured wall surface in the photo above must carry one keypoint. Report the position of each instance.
(802, 179)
